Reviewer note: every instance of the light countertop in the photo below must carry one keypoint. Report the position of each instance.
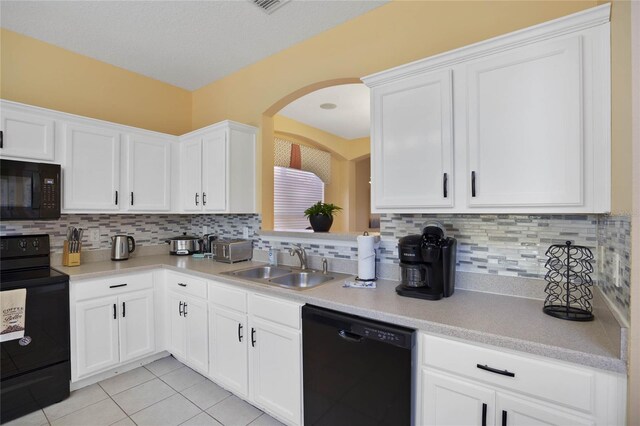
(505, 321)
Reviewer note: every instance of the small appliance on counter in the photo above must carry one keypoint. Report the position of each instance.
(427, 264)
(120, 248)
(207, 239)
(184, 244)
(231, 251)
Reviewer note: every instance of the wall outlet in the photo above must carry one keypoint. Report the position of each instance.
(245, 232)
(94, 235)
(205, 229)
(616, 270)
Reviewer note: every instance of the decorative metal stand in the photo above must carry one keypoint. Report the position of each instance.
(569, 282)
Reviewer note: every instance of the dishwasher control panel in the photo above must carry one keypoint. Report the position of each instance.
(382, 335)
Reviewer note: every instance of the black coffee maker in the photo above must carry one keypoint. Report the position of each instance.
(427, 264)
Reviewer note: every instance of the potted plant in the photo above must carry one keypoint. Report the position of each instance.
(321, 216)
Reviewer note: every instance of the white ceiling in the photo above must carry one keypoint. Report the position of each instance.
(185, 43)
(350, 119)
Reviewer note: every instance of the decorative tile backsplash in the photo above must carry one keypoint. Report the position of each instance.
(614, 237)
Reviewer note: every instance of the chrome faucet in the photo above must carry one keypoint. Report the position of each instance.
(301, 254)
(325, 267)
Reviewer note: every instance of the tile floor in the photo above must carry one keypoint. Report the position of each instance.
(163, 393)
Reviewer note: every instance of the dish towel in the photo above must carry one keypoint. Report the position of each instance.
(13, 313)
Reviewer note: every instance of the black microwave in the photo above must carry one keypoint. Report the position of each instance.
(29, 191)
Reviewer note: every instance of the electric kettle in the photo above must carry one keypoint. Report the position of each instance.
(120, 249)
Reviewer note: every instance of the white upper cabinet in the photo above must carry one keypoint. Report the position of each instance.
(26, 136)
(148, 173)
(525, 126)
(519, 124)
(217, 169)
(91, 177)
(413, 142)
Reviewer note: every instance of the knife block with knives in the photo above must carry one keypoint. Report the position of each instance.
(72, 247)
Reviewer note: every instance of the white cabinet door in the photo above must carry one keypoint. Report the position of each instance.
(137, 329)
(275, 360)
(228, 349)
(412, 143)
(191, 174)
(92, 172)
(451, 402)
(177, 326)
(149, 173)
(96, 335)
(195, 315)
(26, 135)
(513, 411)
(525, 127)
(214, 172)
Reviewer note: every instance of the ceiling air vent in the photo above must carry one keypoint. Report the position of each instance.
(269, 6)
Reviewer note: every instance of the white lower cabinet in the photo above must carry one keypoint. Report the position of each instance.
(465, 384)
(256, 347)
(188, 330)
(112, 323)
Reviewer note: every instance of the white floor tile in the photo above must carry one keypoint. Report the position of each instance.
(234, 412)
(182, 378)
(101, 413)
(77, 400)
(205, 394)
(168, 412)
(124, 422)
(36, 418)
(142, 396)
(127, 380)
(202, 419)
(164, 366)
(265, 420)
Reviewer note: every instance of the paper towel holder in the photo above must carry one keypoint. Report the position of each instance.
(375, 266)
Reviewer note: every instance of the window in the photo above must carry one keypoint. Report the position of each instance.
(293, 192)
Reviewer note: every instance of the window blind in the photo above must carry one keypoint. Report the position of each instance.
(294, 191)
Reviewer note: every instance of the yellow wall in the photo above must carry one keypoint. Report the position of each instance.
(621, 159)
(391, 35)
(38, 73)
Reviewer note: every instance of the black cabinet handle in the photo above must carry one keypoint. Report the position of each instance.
(117, 285)
(180, 309)
(184, 309)
(114, 311)
(182, 284)
(1, 138)
(116, 198)
(204, 198)
(495, 370)
(132, 198)
(473, 183)
(239, 332)
(124, 309)
(484, 414)
(504, 418)
(197, 201)
(253, 338)
(444, 185)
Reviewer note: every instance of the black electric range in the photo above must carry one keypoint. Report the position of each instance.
(36, 369)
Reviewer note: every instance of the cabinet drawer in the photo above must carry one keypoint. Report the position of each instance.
(230, 298)
(275, 310)
(561, 384)
(186, 284)
(111, 286)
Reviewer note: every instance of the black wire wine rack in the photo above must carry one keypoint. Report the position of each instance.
(568, 277)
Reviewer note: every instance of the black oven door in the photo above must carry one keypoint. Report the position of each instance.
(29, 190)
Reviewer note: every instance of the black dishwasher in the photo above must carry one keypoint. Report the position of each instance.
(356, 371)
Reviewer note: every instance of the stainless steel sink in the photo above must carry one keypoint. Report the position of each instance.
(292, 278)
(302, 279)
(262, 272)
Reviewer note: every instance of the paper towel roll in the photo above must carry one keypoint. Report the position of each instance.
(367, 246)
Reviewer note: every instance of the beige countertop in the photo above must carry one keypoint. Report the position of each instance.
(505, 321)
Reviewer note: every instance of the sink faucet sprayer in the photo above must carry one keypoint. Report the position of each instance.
(301, 254)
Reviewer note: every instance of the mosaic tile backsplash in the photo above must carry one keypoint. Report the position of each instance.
(505, 245)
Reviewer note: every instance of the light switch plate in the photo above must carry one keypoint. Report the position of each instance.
(94, 235)
(245, 232)
(616, 270)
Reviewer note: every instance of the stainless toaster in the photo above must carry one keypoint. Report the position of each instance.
(231, 251)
